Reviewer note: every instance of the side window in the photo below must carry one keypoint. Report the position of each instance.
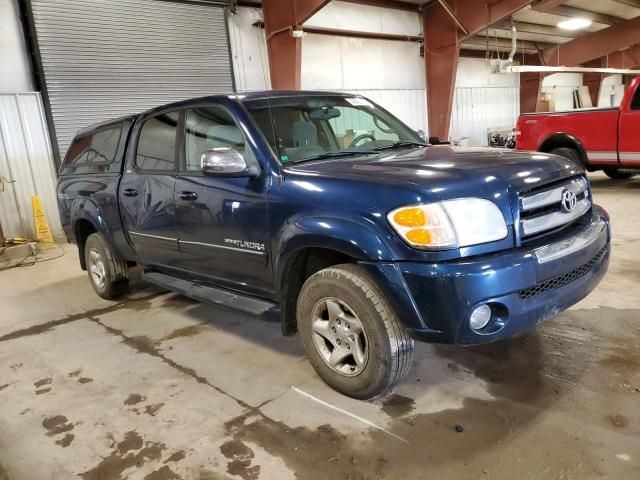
(157, 143)
(635, 102)
(93, 153)
(212, 127)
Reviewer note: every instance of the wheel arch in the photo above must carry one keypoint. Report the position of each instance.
(298, 266)
(312, 244)
(88, 219)
(564, 140)
(82, 228)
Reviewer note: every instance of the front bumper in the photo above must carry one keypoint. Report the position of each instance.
(524, 286)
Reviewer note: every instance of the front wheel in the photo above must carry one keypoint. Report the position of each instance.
(107, 271)
(618, 174)
(351, 334)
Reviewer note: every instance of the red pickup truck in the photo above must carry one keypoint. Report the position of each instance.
(605, 139)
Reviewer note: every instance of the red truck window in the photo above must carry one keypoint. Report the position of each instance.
(635, 102)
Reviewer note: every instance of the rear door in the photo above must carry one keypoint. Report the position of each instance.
(628, 137)
(221, 221)
(147, 186)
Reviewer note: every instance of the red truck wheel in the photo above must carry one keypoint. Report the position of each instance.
(617, 174)
(569, 153)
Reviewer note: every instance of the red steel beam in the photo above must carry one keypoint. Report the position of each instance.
(547, 5)
(444, 30)
(454, 17)
(477, 15)
(530, 91)
(441, 53)
(284, 50)
(594, 45)
(628, 58)
(336, 32)
(593, 80)
(393, 4)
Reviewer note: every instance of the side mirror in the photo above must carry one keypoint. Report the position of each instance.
(224, 161)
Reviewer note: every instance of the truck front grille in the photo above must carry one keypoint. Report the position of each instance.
(553, 207)
(562, 280)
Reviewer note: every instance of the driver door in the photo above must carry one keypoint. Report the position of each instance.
(221, 220)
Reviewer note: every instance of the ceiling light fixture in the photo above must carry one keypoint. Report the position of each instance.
(575, 24)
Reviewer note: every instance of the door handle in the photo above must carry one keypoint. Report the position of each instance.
(130, 192)
(188, 195)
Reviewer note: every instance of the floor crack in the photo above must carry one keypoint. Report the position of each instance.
(142, 345)
(44, 327)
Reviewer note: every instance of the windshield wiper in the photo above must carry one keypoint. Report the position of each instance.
(402, 143)
(336, 154)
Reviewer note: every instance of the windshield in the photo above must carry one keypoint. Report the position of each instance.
(303, 128)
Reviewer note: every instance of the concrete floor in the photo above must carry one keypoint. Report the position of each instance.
(158, 387)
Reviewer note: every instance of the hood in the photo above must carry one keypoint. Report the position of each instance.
(449, 171)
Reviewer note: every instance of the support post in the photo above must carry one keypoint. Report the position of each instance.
(284, 50)
(446, 23)
(441, 54)
(593, 81)
(530, 91)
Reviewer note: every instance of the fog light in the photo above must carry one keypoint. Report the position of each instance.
(480, 317)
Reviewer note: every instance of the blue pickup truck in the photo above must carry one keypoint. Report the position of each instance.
(325, 209)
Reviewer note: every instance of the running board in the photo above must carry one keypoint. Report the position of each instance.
(213, 295)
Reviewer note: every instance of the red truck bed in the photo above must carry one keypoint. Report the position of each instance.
(599, 138)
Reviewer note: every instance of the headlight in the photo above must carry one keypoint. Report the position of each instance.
(449, 224)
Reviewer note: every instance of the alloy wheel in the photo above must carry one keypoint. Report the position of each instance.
(339, 336)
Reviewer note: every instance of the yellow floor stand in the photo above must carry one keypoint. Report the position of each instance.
(43, 232)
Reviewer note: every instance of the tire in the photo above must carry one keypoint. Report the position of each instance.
(107, 271)
(617, 174)
(569, 153)
(381, 354)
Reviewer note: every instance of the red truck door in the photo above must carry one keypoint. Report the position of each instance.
(629, 128)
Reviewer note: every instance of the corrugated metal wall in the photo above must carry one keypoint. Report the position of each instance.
(26, 161)
(477, 109)
(107, 59)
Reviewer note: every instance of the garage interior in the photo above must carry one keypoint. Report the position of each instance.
(157, 386)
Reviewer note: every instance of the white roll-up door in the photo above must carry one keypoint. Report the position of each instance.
(105, 59)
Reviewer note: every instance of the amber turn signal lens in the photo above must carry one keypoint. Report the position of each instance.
(410, 217)
(419, 236)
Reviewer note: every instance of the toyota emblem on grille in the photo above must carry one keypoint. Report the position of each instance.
(568, 201)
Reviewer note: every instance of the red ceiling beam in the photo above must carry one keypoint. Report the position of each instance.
(281, 17)
(628, 58)
(476, 15)
(446, 23)
(393, 4)
(594, 45)
(547, 5)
